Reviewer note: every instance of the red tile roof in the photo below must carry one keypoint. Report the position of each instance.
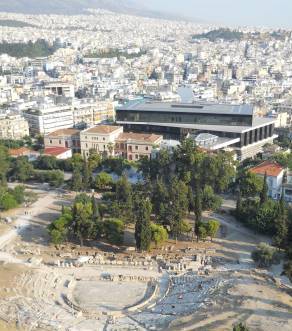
(272, 169)
(55, 151)
(22, 151)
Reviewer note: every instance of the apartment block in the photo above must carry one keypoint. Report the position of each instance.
(48, 119)
(13, 127)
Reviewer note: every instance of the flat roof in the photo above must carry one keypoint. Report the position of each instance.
(257, 123)
(197, 107)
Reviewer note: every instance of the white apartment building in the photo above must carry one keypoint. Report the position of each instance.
(100, 138)
(48, 119)
(60, 89)
(13, 127)
(92, 113)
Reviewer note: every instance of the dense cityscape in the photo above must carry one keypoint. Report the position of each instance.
(145, 174)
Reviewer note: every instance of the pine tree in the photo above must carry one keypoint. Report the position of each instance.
(264, 192)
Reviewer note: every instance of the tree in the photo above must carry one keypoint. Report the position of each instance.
(94, 160)
(76, 180)
(178, 205)
(264, 255)
(240, 327)
(250, 184)
(4, 164)
(198, 204)
(86, 176)
(83, 225)
(103, 181)
(142, 213)
(158, 234)
(18, 194)
(23, 170)
(288, 269)
(114, 230)
(202, 231)
(46, 162)
(59, 229)
(8, 201)
(281, 225)
(210, 201)
(264, 192)
(124, 199)
(212, 228)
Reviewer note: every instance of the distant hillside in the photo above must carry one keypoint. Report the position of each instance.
(16, 24)
(225, 34)
(75, 7)
(40, 48)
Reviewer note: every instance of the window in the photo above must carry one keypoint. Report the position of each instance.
(136, 156)
(103, 139)
(136, 148)
(51, 141)
(147, 148)
(86, 145)
(60, 142)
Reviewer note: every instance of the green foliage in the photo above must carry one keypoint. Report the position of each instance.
(158, 234)
(59, 229)
(250, 184)
(116, 165)
(4, 164)
(54, 177)
(123, 200)
(114, 230)
(8, 201)
(281, 225)
(264, 192)
(40, 48)
(114, 53)
(260, 217)
(16, 24)
(222, 33)
(207, 229)
(103, 181)
(22, 169)
(19, 194)
(264, 256)
(240, 327)
(288, 269)
(210, 201)
(83, 225)
(212, 228)
(142, 213)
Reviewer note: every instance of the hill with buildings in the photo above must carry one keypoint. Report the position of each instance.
(75, 7)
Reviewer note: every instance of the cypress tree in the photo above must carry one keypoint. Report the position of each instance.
(264, 192)
(281, 225)
(143, 225)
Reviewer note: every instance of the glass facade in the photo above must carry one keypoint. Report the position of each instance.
(185, 118)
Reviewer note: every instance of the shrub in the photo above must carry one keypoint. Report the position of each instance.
(264, 256)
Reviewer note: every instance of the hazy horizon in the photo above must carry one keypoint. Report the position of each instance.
(274, 13)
